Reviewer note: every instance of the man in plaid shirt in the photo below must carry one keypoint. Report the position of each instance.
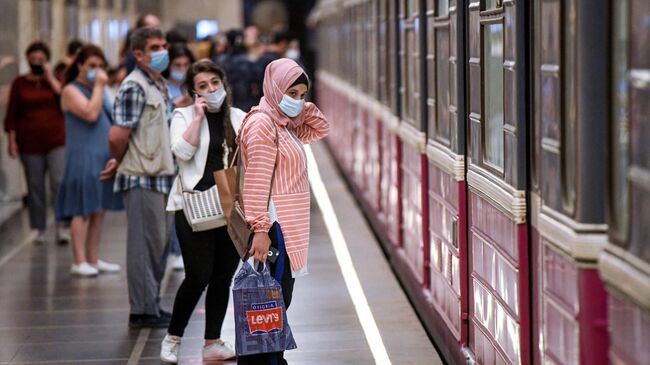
(139, 140)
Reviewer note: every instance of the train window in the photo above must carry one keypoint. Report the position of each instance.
(569, 120)
(492, 4)
(410, 55)
(619, 216)
(442, 8)
(493, 95)
(442, 85)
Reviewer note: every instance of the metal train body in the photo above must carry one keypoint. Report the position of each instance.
(498, 148)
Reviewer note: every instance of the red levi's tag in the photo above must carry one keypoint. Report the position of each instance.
(264, 318)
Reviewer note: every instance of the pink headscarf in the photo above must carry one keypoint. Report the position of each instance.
(278, 77)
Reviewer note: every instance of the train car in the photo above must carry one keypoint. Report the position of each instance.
(624, 265)
(496, 147)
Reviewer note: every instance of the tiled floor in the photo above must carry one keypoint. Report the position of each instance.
(48, 317)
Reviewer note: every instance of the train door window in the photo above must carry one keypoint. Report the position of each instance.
(569, 120)
(439, 73)
(619, 203)
(383, 54)
(493, 108)
(442, 8)
(410, 91)
(492, 4)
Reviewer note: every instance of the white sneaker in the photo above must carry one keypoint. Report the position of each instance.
(62, 235)
(220, 350)
(83, 269)
(41, 238)
(178, 264)
(107, 267)
(169, 349)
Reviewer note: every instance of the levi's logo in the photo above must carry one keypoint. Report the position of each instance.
(264, 318)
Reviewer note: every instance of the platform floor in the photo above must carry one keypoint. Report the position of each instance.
(49, 317)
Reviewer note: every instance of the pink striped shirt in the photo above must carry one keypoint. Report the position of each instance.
(290, 193)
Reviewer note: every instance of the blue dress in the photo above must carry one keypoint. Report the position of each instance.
(86, 153)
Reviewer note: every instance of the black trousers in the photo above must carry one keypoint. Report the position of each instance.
(287, 282)
(210, 260)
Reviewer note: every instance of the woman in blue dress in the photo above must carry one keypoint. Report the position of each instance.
(86, 191)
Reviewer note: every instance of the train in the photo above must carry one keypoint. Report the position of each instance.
(499, 150)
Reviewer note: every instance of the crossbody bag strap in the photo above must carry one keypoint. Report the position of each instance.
(238, 195)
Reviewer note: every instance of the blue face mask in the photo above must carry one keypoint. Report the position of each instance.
(290, 106)
(159, 61)
(177, 75)
(91, 76)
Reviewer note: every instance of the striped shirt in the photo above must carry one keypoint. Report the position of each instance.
(290, 185)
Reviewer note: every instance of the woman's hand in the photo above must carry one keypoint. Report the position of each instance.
(260, 247)
(199, 107)
(109, 170)
(102, 77)
(13, 146)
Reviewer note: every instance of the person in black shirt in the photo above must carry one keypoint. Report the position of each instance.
(203, 141)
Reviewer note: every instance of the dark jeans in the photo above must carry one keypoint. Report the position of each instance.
(286, 281)
(210, 260)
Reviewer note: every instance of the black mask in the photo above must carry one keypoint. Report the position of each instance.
(37, 69)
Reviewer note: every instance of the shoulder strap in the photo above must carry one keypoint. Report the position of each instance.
(240, 176)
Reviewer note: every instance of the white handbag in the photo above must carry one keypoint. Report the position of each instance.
(202, 209)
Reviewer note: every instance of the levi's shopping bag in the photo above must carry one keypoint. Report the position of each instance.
(260, 317)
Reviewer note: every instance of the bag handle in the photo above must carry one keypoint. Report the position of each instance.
(238, 197)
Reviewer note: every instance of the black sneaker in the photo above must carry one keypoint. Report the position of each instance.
(148, 321)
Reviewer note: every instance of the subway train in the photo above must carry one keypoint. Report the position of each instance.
(499, 150)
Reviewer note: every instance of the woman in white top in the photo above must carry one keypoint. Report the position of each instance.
(203, 141)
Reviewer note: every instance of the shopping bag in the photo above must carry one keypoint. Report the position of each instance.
(225, 180)
(260, 317)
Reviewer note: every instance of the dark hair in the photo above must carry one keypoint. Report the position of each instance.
(140, 36)
(73, 47)
(175, 51)
(302, 79)
(83, 54)
(206, 65)
(175, 35)
(282, 36)
(38, 46)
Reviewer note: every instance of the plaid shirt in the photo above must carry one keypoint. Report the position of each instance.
(129, 105)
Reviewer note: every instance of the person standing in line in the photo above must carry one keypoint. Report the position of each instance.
(180, 59)
(36, 132)
(139, 140)
(87, 187)
(284, 221)
(203, 140)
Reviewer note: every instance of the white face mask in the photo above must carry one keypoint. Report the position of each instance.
(290, 106)
(215, 99)
(292, 53)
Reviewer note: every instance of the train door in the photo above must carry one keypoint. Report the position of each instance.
(445, 251)
(625, 263)
(498, 253)
(569, 79)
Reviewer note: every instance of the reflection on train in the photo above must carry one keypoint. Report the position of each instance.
(499, 149)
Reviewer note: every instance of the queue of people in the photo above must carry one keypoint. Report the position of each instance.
(156, 126)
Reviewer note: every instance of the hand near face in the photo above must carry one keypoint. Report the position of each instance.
(102, 77)
(199, 106)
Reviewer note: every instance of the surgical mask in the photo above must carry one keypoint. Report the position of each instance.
(292, 53)
(177, 75)
(159, 60)
(37, 69)
(290, 106)
(91, 76)
(215, 99)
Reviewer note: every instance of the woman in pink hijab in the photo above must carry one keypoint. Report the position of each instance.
(273, 136)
